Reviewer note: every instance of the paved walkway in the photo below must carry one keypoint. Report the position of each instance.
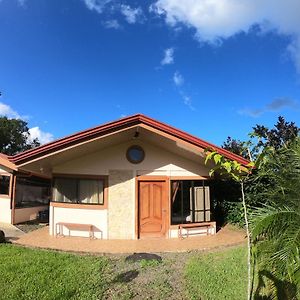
(226, 237)
(11, 232)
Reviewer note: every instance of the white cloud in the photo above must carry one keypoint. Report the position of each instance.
(168, 57)
(188, 101)
(97, 5)
(43, 137)
(215, 20)
(178, 79)
(112, 24)
(132, 15)
(6, 110)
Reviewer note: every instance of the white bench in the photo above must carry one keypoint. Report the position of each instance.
(193, 228)
(74, 226)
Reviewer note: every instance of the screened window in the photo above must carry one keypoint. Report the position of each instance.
(77, 190)
(190, 201)
(32, 191)
(4, 184)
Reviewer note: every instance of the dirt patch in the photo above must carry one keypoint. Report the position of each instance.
(148, 278)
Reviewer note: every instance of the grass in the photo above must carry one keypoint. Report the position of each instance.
(217, 275)
(39, 274)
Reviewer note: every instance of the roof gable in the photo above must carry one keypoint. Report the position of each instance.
(115, 126)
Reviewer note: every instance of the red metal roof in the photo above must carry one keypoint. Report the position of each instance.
(115, 126)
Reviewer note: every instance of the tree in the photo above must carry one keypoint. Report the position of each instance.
(236, 146)
(14, 136)
(282, 134)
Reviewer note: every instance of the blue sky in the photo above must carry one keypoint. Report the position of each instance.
(212, 68)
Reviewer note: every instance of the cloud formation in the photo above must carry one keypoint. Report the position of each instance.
(97, 5)
(168, 57)
(42, 136)
(178, 79)
(274, 106)
(216, 20)
(112, 24)
(132, 15)
(6, 110)
(187, 101)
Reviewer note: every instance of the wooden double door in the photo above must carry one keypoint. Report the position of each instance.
(152, 208)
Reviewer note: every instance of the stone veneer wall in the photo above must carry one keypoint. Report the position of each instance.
(121, 204)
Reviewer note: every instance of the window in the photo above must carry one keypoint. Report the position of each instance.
(32, 191)
(77, 190)
(190, 201)
(4, 184)
(135, 154)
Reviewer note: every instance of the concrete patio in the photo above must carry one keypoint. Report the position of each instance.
(11, 232)
(40, 238)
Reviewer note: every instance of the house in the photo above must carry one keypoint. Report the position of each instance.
(132, 178)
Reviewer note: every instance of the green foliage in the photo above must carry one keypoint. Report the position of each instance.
(218, 275)
(225, 166)
(226, 201)
(276, 225)
(14, 134)
(234, 213)
(35, 274)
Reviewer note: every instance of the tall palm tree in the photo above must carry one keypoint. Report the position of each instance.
(276, 225)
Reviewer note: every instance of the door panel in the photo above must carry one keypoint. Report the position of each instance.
(152, 208)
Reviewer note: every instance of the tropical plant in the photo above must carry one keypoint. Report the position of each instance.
(275, 225)
(238, 173)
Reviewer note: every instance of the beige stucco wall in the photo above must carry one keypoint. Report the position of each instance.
(121, 219)
(27, 213)
(97, 218)
(121, 204)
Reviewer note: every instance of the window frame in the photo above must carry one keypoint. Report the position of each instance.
(103, 178)
(9, 186)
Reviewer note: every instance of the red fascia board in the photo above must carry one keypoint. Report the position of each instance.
(117, 125)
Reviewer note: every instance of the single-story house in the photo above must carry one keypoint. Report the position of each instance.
(128, 179)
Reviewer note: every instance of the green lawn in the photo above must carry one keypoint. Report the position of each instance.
(40, 274)
(217, 275)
